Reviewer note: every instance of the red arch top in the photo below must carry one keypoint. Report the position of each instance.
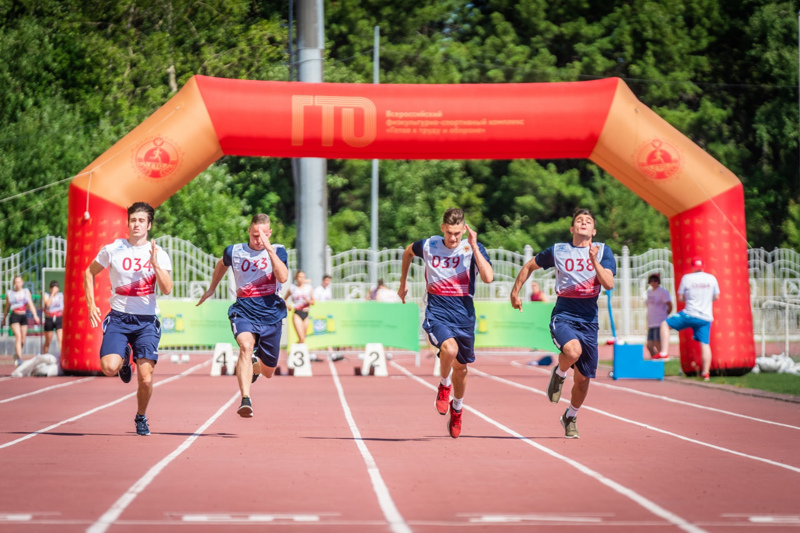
(544, 121)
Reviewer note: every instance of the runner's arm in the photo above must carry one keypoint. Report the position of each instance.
(88, 289)
(216, 277)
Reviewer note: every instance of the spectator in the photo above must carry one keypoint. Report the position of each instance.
(324, 293)
(301, 293)
(385, 294)
(53, 307)
(536, 293)
(18, 302)
(698, 290)
(659, 306)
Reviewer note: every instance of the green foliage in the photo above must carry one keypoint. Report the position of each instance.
(79, 75)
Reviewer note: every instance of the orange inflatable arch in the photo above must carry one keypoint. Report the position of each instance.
(597, 120)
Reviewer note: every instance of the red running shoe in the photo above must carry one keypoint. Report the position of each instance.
(442, 399)
(454, 424)
(706, 376)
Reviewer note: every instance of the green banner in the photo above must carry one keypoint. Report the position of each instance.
(394, 325)
(185, 324)
(500, 325)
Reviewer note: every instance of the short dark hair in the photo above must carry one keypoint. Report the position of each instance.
(654, 277)
(582, 211)
(453, 216)
(260, 218)
(53, 283)
(144, 207)
(326, 276)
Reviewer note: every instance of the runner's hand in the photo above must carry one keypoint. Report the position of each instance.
(94, 315)
(154, 255)
(472, 237)
(264, 236)
(402, 292)
(516, 303)
(206, 295)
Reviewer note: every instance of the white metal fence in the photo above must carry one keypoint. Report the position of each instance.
(774, 279)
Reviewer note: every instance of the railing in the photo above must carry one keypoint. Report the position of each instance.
(774, 279)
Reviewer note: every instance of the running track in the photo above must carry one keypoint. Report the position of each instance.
(337, 452)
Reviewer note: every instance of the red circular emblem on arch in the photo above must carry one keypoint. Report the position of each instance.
(658, 160)
(157, 157)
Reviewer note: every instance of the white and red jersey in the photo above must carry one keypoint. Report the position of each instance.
(577, 285)
(18, 300)
(133, 280)
(56, 305)
(257, 288)
(450, 278)
(301, 296)
(698, 290)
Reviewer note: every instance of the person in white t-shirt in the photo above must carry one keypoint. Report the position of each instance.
(385, 294)
(698, 290)
(53, 307)
(18, 302)
(659, 306)
(131, 328)
(301, 293)
(324, 292)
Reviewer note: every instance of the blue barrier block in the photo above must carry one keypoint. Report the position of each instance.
(629, 363)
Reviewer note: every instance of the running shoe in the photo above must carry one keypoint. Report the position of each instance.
(256, 374)
(442, 399)
(660, 357)
(246, 409)
(126, 371)
(454, 424)
(706, 376)
(141, 425)
(554, 387)
(570, 424)
(17, 361)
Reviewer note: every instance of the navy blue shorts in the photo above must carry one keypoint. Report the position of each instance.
(438, 332)
(268, 337)
(142, 332)
(563, 330)
(654, 334)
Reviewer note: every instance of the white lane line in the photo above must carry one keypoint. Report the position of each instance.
(110, 516)
(96, 409)
(393, 516)
(647, 426)
(68, 383)
(648, 505)
(673, 400)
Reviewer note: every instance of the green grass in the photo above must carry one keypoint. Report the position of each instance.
(770, 382)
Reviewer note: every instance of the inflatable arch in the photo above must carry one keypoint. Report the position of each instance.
(597, 120)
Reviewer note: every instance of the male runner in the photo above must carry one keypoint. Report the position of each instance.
(259, 269)
(451, 267)
(582, 267)
(131, 326)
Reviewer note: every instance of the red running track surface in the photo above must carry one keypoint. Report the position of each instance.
(337, 452)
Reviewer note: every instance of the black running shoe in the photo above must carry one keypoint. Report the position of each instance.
(246, 409)
(256, 374)
(141, 425)
(126, 371)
